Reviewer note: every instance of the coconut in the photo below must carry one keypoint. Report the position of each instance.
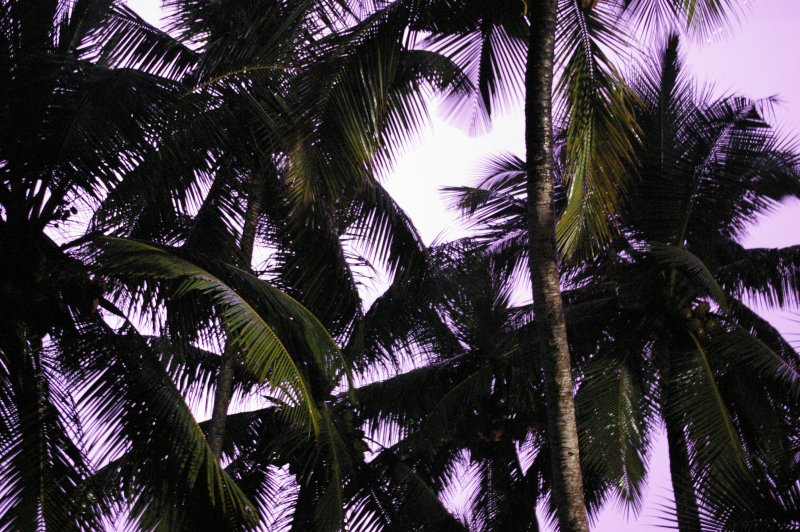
(702, 309)
(712, 326)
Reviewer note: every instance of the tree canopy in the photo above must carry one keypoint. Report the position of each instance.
(188, 217)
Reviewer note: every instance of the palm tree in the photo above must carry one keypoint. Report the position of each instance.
(305, 194)
(69, 127)
(475, 408)
(78, 393)
(488, 40)
(722, 168)
(314, 114)
(647, 339)
(476, 400)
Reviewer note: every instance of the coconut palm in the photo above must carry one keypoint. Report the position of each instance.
(659, 321)
(475, 407)
(78, 393)
(314, 114)
(70, 127)
(293, 186)
(488, 40)
(475, 401)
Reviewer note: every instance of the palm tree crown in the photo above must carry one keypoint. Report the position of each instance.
(660, 321)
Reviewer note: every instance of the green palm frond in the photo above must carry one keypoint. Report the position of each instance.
(601, 128)
(265, 354)
(344, 104)
(445, 413)
(329, 510)
(709, 422)
(358, 104)
(156, 460)
(759, 327)
(144, 203)
(260, 444)
(740, 347)
(194, 369)
(666, 111)
(89, 127)
(373, 494)
(615, 429)
(311, 263)
(214, 229)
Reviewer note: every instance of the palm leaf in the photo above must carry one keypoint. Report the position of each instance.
(127, 41)
(265, 354)
(157, 460)
(597, 108)
(43, 466)
(612, 417)
(770, 276)
(691, 266)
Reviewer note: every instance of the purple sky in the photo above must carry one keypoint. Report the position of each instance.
(755, 58)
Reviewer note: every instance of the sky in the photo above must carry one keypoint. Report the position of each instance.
(754, 57)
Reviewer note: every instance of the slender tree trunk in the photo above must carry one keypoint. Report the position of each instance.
(682, 487)
(230, 358)
(544, 270)
(222, 400)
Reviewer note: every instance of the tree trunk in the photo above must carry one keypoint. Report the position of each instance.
(544, 270)
(682, 488)
(222, 400)
(230, 358)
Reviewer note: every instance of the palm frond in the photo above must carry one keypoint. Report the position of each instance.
(612, 417)
(156, 459)
(489, 49)
(44, 465)
(740, 346)
(265, 353)
(768, 276)
(705, 18)
(127, 41)
(691, 266)
(601, 127)
(709, 423)
(376, 222)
